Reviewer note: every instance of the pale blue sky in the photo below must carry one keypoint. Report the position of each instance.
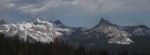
(84, 13)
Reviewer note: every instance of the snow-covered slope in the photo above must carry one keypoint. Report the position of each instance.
(140, 30)
(35, 30)
(113, 34)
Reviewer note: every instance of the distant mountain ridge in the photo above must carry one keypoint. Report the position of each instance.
(46, 31)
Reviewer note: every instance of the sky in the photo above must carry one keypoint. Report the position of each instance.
(77, 13)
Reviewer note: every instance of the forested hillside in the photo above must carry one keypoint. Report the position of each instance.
(13, 46)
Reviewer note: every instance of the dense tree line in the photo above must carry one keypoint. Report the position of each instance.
(13, 46)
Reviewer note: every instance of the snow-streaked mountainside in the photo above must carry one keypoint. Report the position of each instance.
(113, 34)
(35, 30)
(47, 31)
(140, 30)
(103, 33)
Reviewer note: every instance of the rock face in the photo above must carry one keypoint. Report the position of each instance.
(114, 34)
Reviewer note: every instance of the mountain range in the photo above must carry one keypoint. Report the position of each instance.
(102, 34)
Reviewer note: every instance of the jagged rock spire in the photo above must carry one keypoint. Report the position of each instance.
(2, 21)
(103, 22)
(57, 22)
